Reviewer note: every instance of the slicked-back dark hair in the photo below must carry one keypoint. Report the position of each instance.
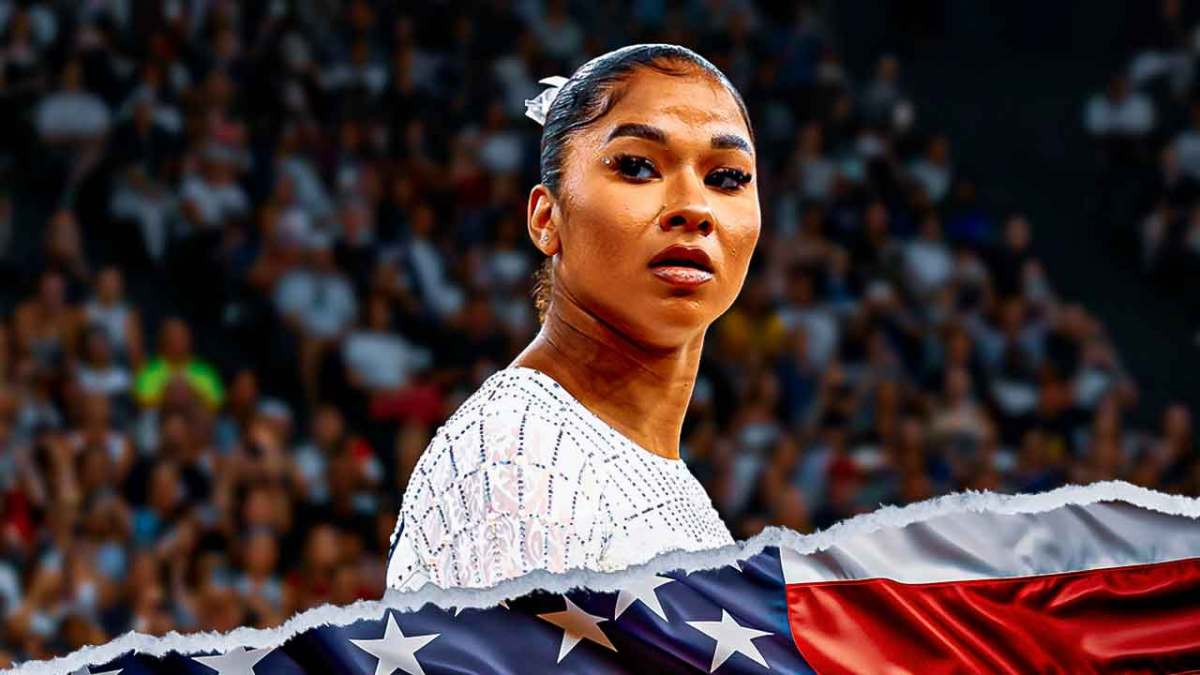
(592, 90)
(596, 87)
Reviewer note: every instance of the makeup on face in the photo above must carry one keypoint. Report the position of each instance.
(663, 213)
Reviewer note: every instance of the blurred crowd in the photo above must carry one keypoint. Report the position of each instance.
(1146, 126)
(254, 253)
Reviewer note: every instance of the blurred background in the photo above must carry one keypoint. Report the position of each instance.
(253, 253)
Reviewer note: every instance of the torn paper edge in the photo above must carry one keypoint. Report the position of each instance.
(689, 561)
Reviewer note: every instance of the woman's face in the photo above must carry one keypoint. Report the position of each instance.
(657, 220)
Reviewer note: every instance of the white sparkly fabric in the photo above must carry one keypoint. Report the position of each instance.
(523, 477)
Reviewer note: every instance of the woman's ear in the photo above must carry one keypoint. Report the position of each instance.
(542, 220)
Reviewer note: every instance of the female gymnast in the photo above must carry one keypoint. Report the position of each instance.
(568, 458)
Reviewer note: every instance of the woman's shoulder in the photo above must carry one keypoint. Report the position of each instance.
(514, 394)
(517, 418)
(514, 477)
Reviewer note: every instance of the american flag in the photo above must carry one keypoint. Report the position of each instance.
(1097, 579)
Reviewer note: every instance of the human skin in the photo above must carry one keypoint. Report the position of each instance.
(622, 336)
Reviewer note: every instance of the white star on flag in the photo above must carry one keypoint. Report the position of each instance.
(731, 637)
(237, 661)
(85, 670)
(642, 589)
(577, 625)
(395, 649)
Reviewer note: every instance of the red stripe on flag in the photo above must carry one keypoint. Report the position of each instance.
(1141, 618)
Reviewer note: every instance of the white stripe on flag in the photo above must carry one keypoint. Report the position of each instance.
(970, 545)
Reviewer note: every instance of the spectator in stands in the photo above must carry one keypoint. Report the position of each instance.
(816, 170)
(440, 295)
(99, 372)
(175, 361)
(1186, 145)
(317, 302)
(1119, 113)
(211, 196)
(141, 201)
(46, 324)
(64, 252)
(1163, 43)
(558, 32)
(377, 358)
(147, 130)
(933, 172)
(928, 261)
(111, 312)
(72, 115)
(883, 93)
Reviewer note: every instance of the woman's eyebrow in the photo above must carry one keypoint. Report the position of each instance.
(731, 142)
(653, 133)
(636, 130)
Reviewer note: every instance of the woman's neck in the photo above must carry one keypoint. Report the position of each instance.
(640, 391)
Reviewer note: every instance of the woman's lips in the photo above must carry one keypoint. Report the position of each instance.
(678, 275)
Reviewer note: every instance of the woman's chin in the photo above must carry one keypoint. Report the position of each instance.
(661, 318)
(676, 319)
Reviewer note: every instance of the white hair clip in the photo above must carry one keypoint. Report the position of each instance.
(538, 108)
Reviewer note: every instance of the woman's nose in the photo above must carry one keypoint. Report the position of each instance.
(689, 207)
(691, 215)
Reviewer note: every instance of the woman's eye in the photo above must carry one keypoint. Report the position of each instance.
(638, 168)
(728, 179)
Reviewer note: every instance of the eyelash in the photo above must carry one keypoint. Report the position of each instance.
(622, 161)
